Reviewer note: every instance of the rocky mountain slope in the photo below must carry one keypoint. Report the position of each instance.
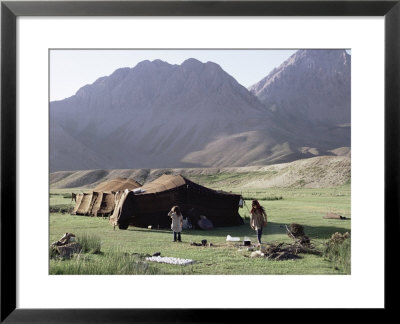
(312, 87)
(158, 115)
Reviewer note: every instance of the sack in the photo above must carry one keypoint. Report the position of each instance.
(205, 224)
(186, 224)
(241, 201)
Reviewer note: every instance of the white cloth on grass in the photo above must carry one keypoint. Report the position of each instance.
(170, 260)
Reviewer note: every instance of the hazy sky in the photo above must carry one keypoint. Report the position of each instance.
(72, 69)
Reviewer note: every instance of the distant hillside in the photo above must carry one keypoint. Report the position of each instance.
(318, 172)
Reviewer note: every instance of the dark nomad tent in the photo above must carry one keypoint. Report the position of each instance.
(117, 184)
(101, 201)
(150, 204)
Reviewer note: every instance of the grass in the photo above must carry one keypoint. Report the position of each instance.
(112, 264)
(123, 252)
(228, 179)
(89, 243)
(340, 254)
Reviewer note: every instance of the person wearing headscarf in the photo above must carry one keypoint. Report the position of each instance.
(177, 222)
(258, 219)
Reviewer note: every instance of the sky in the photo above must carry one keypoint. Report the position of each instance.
(72, 69)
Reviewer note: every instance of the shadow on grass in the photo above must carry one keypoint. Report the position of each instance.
(313, 232)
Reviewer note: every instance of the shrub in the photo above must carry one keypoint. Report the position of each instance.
(89, 243)
(338, 251)
(63, 209)
(53, 253)
(263, 198)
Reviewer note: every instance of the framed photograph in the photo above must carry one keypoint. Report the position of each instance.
(134, 113)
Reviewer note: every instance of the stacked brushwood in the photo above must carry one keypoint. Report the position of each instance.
(338, 238)
(302, 242)
(285, 251)
(280, 251)
(296, 232)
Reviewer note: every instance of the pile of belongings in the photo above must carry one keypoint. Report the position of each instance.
(204, 223)
(232, 239)
(66, 246)
(334, 216)
(203, 243)
(187, 224)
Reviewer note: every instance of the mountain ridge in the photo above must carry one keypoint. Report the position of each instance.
(319, 78)
(191, 115)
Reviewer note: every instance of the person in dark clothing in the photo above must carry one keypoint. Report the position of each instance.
(258, 219)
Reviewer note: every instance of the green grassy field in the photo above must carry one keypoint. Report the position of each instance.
(122, 252)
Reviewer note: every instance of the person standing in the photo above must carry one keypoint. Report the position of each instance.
(177, 222)
(258, 219)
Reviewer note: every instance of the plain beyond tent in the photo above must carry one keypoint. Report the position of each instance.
(102, 200)
(149, 205)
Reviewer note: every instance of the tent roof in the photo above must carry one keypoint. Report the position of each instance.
(169, 181)
(163, 183)
(117, 184)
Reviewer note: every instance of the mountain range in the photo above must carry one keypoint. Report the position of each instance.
(159, 115)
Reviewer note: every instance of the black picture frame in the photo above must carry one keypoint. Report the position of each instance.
(10, 10)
